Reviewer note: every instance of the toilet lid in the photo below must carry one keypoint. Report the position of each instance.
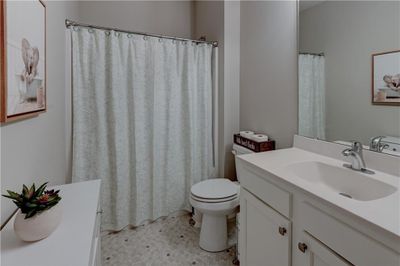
(218, 188)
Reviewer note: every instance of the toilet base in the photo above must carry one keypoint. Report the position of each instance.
(214, 233)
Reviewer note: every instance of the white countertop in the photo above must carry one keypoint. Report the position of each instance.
(383, 212)
(70, 243)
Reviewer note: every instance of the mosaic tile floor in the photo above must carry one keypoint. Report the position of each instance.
(167, 241)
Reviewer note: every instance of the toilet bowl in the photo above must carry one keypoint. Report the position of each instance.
(215, 199)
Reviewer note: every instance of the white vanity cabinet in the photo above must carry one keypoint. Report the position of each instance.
(266, 234)
(315, 233)
(75, 242)
(319, 226)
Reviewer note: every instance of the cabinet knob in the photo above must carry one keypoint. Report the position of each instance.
(302, 247)
(282, 230)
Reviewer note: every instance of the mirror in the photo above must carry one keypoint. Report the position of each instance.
(349, 72)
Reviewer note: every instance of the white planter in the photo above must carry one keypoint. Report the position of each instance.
(39, 226)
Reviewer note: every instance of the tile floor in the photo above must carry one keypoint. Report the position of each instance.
(167, 241)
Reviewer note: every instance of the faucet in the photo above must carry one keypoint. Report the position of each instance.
(356, 154)
(376, 144)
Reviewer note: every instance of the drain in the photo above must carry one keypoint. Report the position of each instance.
(345, 195)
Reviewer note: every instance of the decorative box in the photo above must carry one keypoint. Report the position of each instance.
(253, 145)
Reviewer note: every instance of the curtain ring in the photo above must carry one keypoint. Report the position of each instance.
(160, 40)
(145, 38)
(129, 35)
(193, 43)
(173, 41)
(117, 34)
(75, 28)
(107, 33)
(90, 30)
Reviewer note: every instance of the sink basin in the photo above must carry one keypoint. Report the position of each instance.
(345, 182)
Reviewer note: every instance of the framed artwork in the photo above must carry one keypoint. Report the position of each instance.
(386, 78)
(22, 59)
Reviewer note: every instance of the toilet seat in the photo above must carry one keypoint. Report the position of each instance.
(214, 200)
(223, 207)
(215, 190)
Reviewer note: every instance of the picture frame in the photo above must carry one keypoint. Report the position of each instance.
(23, 58)
(386, 78)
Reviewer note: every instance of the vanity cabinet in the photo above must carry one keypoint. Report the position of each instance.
(341, 238)
(282, 225)
(265, 234)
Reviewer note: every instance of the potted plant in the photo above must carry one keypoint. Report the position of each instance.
(39, 213)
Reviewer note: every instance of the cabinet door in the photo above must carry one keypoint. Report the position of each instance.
(265, 235)
(317, 254)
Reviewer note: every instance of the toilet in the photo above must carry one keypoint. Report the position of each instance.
(215, 199)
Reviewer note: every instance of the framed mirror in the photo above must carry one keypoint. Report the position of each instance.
(338, 79)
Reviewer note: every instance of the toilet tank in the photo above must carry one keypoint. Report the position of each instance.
(238, 150)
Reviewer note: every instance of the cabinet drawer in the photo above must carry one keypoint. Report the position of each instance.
(354, 246)
(259, 185)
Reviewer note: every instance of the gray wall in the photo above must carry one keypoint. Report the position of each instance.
(232, 82)
(349, 33)
(209, 22)
(34, 150)
(220, 21)
(172, 18)
(268, 71)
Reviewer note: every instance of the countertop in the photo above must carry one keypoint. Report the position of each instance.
(383, 212)
(70, 244)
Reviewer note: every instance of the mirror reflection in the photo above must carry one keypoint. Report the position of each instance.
(349, 72)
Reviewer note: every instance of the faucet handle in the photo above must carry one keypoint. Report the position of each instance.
(347, 152)
(383, 146)
(356, 146)
(375, 143)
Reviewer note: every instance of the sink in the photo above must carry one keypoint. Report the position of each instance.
(345, 182)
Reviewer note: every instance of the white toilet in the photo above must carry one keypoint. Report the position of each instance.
(216, 199)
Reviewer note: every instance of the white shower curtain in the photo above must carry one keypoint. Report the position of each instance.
(312, 96)
(142, 121)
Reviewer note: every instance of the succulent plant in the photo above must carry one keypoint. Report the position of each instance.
(32, 201)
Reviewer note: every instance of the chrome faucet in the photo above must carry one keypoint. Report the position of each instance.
(356, 155)
(376, 144)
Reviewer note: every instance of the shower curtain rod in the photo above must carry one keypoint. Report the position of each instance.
(317, 54)
(69, 23)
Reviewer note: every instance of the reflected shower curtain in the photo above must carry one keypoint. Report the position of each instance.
(142, 121)
(312, 96)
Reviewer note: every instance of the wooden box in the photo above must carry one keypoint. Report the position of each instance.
(253, 145)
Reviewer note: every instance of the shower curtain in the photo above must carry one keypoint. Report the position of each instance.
(312, 96)
(142, 121)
